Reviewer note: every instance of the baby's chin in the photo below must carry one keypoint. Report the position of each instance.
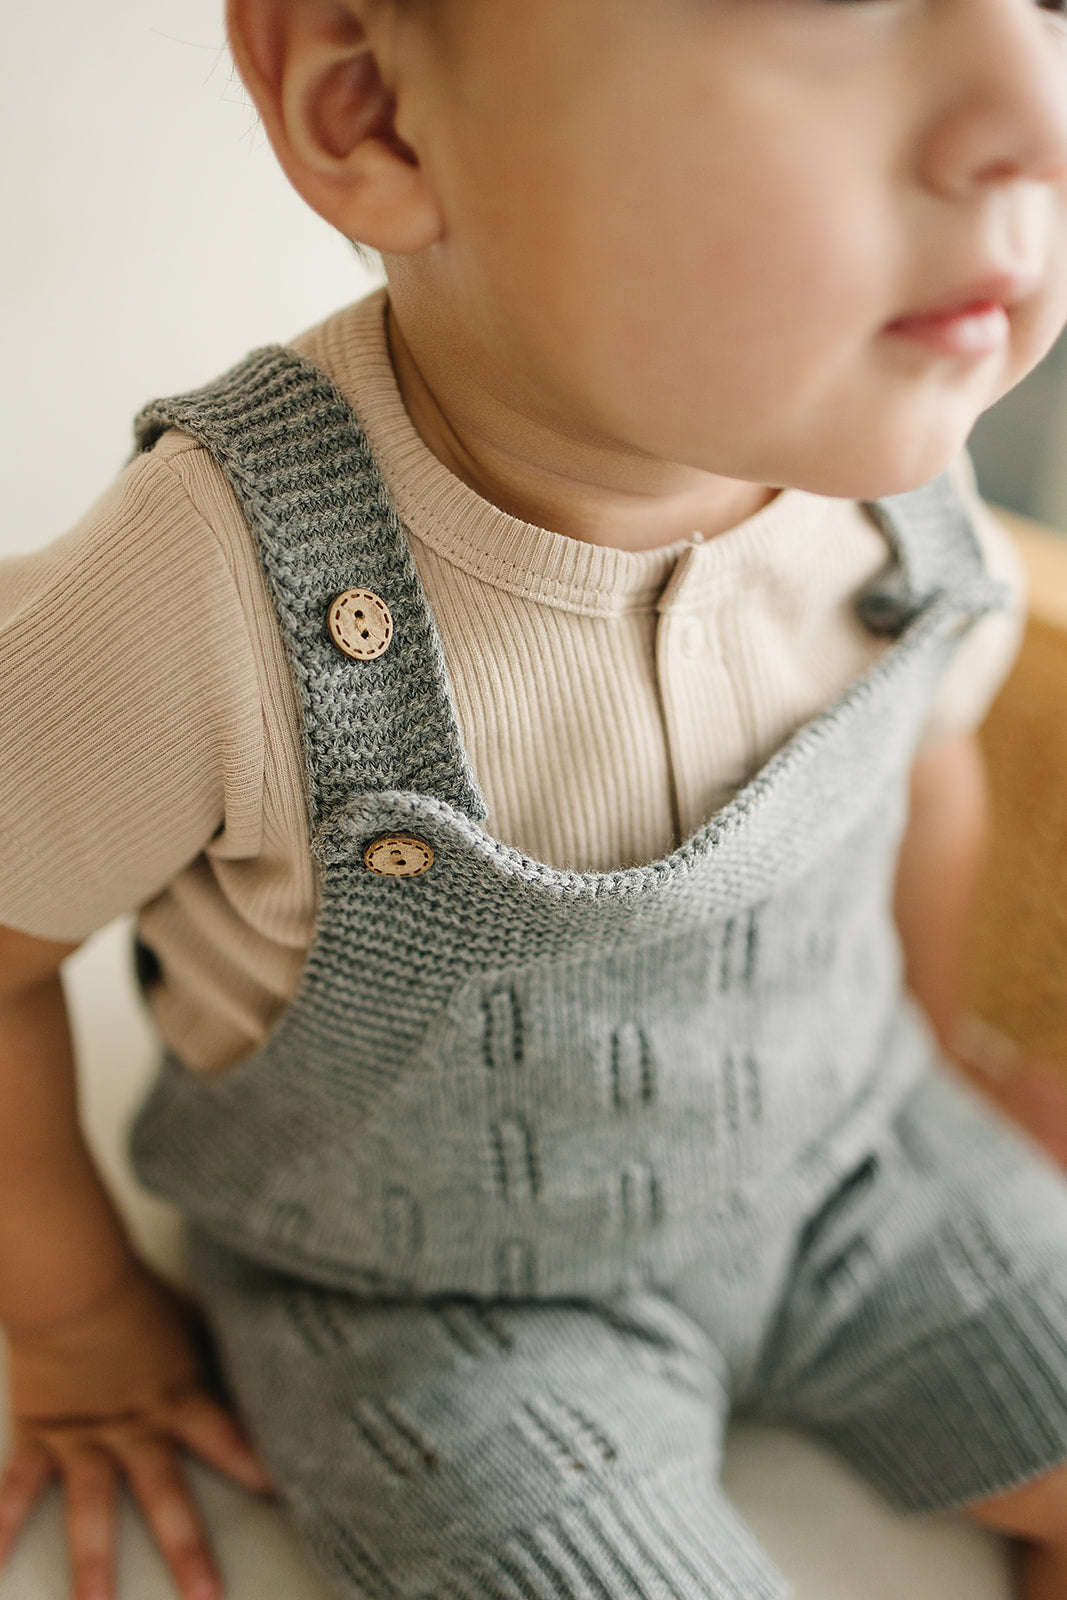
(878, 482)
(872, 467)
(880, 446)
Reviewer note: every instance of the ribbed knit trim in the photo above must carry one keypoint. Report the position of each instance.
(668, 1540)
(969, 1416)
(311, 489)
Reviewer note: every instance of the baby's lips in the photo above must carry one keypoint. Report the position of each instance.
(998, 287)
(974, 330)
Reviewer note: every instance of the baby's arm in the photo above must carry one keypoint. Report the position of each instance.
(937, 877)
(102, 1365)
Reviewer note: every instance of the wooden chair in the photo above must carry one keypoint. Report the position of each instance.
(1019, 950)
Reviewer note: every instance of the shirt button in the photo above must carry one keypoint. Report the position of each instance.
(360, 625)
(398, 855)
(691, 639)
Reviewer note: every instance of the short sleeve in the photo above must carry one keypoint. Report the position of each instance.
(988, 652)
(131, 727)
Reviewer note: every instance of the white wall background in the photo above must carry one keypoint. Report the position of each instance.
(147, 239)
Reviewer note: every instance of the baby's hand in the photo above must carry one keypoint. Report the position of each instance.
(117, 1393)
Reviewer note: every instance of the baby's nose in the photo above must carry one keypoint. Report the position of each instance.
(1003, 77)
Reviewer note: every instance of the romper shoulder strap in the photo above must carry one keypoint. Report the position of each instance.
(937, 550)
(323, 522)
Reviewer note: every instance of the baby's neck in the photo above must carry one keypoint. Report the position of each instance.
(630, 503)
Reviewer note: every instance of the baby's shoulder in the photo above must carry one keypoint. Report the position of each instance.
(129, 680)
(166, 524)
(179, 485)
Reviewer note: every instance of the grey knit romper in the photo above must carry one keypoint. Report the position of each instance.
(542, 1173)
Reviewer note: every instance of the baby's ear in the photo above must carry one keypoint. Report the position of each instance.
(321, 73)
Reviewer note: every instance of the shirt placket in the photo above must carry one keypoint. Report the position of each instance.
(704, 720)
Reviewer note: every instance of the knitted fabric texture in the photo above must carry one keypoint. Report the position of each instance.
(540, 1171)
(520, 1079)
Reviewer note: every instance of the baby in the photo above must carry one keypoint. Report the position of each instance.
(532, 715)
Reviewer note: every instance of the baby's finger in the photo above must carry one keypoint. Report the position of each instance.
(90, 1491)
(25, 1477)
(164, 1496)
(211, 1432)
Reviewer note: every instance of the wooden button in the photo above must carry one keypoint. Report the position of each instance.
(360, 624)
(398, 855)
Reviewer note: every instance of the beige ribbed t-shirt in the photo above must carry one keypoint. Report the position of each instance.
(150, 751)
